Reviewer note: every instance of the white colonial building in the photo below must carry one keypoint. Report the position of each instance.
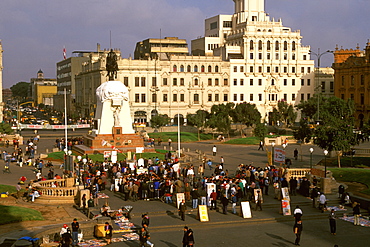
(244, 57)
(267, 61)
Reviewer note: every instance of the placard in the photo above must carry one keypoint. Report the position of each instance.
(285, 193)
(285, 204)
(203, 213)
(245, 210)
(107, 154)
(279, 155)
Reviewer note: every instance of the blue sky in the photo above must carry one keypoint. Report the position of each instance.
(33, 33)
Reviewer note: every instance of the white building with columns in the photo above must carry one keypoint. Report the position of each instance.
(267, 61)
(243, 57)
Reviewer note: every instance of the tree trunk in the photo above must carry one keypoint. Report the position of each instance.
(198, 134)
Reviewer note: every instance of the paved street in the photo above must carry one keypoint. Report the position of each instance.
(265, 228)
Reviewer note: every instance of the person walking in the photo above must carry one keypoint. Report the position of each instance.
(295, 153)
(188, 238)
(258, 200)
(322, 202)
(169, 142)
(332, 222)
(297, 229)
(213, 197)
(297, 213)
(182, 209)
(214, 150)
(108, 232)
(260, 146)
(209, 163)
(144, 237)
(145, 221)
(75, 228)
(195, 197)
(356, 213)
(224, 202)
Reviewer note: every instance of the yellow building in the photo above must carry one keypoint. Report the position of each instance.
(42, 89)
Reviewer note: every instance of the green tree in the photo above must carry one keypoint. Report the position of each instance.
(199, 120)
(158, 121)
(246, 113)
(304, 132)
(287, 112)
(335, 131)
(220, 118)
(20, 90)
(309, 108)
(260, 131)
(5, 129)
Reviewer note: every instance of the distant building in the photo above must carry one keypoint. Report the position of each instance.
(7, 94)
(352, 80)
(67, 69)
(161, 48)
(42, 89)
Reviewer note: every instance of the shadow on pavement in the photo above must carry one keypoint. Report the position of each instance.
(279, 238)
(169, 244)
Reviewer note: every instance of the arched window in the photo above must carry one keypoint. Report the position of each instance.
(293, 46)
(260, 45)
(268, 45)
(189, 68)
(182, 68)
(277, 45)
(251, 45)
(196, 68)
(216, 68)
(285, 45)
(202, 69)
(196, 82)
(209, 68)
(175, 68)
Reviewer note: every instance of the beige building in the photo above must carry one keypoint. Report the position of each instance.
(181, 85)
(42, 89)
(67, 69)
(161, 48)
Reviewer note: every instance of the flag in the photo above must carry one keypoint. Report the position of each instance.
(64, 53)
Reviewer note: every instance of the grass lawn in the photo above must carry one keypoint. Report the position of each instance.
(248, 141)
(360, 162)
(185, 136)
(10, 214)
(121, 156)
(7, 188)
(353, 175)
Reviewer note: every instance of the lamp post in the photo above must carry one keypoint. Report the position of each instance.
(79, 158)
(318, 55)
(311, 151)
(273, 151)
(325, 153)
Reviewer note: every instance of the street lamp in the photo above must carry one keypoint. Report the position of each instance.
(311, 151)
(318, 55)
(325, 153)
(273, 151)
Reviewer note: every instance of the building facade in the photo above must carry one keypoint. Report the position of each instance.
(42, 90)
(161, 48)
(352, 80)
(243, 57)
(267, 61)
